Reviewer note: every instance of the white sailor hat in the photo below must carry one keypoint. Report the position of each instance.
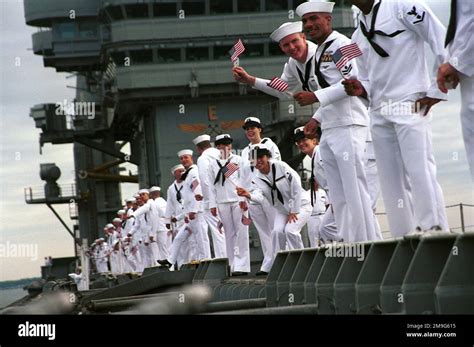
(135, 196)
(155, 189)
(132, 200)
(143, 191)
(177, 167)
(116, 220)
(286, 29)
(120, 212)
(185, 152)
(298, 134)
(201, 138)
(109, 226)
(314, 6)
(223, 139)
(252, 121)
(101, 239)
(105, 228)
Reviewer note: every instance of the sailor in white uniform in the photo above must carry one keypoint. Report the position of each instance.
(397, 83)
(151, 215)
(100, 256)
(225, 174)
(298, 72)
(175, 216)
(140, 232)
(121, 259)
(321, 225)
(279, 184)
(206, 154)
(192, 210)
(459, 67)
(262, 214)
(163, 238)
(344, 123)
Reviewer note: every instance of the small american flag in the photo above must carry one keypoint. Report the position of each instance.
(345, 54)
(278, 84)
(194, 185)
(236, 50)
(229, 169)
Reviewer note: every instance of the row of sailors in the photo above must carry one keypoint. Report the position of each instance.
(258, 186)
(376, 84)
(225, 192)
(271, 193)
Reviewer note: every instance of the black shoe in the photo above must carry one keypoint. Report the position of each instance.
(165, 262)
(239, 273)
(261, 273)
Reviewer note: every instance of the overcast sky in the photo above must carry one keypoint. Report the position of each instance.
(30, 83)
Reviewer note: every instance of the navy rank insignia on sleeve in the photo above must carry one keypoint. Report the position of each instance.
(346, 69)
(419, 18)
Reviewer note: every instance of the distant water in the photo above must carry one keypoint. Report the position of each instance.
(7, 296)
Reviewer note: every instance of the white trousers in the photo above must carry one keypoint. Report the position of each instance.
(328, 231)
(314, 224)
(374, 189)
(199, 234)
(236, 236)
(180, 242)
(342, 151)
(467, 118)
(186, 252)
(403, 149)
(372, 182)
(163, 241)
(289, 234)
(101, 265)
(218, 238)
(262, 217)
(439, 198)
(154, 252)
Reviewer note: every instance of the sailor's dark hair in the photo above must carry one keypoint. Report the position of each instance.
(261, 151)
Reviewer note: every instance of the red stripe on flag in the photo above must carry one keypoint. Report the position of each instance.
(278, 84)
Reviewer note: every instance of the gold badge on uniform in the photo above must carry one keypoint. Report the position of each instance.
(327, 57)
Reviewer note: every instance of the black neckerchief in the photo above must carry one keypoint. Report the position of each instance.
(185, 174)
(220, 172)
(178, 192)
(372, 32)
(307, 71)
(274, 187)
(317, 63)
(452, 24)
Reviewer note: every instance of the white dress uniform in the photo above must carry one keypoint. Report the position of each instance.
(394, 79)
(218, 238)
(223, 196)
(282, 188)
(328, 231)
(192, 187)
(151, 215)
(344, 123)
(101, 259)
(261, 213)
(163, 240)
(460, 56)
(175, 209)
(140, 232)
